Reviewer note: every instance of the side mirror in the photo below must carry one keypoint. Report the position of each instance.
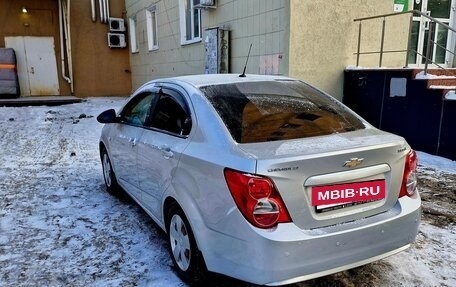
(107, 117)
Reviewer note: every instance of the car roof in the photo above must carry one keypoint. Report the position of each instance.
(218, 79)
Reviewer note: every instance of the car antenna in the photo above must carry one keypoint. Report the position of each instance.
(245, 66)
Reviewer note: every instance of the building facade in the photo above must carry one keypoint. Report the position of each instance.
(62, 50)
(311, 40)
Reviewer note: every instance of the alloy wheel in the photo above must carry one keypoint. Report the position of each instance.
(180, 242)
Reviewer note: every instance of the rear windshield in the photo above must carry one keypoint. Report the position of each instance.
(278, 110)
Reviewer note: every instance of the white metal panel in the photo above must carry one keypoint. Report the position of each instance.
(37, 66)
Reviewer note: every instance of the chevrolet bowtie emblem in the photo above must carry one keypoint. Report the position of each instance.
(353, 162)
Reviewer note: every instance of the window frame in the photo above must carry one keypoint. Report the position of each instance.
(293, 112)
(152, 29)
(134, 47)
(133, 104)
(184, 21)
(180, 101)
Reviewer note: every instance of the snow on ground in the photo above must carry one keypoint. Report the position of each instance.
(437, 163)
(59, 227)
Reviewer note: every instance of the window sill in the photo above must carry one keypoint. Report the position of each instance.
(189, 42)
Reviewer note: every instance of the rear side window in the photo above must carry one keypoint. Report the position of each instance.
(278, 110)
(170, 116)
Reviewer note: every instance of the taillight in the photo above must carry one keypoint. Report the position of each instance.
(257, 199)
(409, 180)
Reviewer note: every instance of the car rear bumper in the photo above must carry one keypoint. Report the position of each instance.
(288, 254)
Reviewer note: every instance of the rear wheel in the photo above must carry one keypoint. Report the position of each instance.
(186, 257)
(108, 173)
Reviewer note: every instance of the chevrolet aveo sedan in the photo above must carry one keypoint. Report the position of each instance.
(261, 178)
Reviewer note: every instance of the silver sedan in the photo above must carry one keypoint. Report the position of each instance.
(261, 178)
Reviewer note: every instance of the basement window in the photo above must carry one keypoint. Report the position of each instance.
(152, 36)
(190, 22)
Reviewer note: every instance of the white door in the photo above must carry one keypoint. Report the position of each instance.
(443, 11)
(36, 65)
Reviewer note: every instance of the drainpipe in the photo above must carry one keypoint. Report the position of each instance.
(93, 11)
(104, 11)
(100, 4)
(62, 53)
(68, 46)
(107, 11)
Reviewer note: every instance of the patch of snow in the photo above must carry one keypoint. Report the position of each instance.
(451, 95)
(422, 76)
(442, 87)
(354, 67)
(436, 162)
(431, 262)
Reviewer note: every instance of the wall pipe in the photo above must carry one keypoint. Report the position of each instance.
(100, 5)
(62, 53)
(68, 46)
(66, 31)
(107, 11)
(93, 11)
(104, 10)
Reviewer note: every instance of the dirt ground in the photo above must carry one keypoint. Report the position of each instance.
(438, 195)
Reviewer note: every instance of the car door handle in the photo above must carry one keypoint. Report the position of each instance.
(166, 152)
(133, 141)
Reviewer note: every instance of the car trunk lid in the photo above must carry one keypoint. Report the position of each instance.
(334, 179)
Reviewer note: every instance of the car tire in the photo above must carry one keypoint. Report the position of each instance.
(108, 174)
(187, 259)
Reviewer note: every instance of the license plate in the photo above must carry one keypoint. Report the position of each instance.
(348, 193)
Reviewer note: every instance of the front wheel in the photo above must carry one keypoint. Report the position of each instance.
(108, 173)
(186, 257)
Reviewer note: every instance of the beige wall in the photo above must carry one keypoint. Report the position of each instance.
(97, 69)
(324, 37)
(313, 40)
(41, 20)
(264, 23)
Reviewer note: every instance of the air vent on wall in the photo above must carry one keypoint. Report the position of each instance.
(116, 25)
(202, 4)
(116, 40)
